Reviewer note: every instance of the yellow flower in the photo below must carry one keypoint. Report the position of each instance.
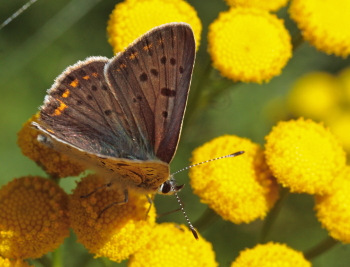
(174, 245)
(270, 5)
(13, 263)
(325, 24)
(304, 156)
(249, 45)
(344, 81)
(33, 217)
(52, 162)
(239, 189)
(333, 210)
(120, 230)
(340, 126)
(270, 254)
(314, 96)
(132, 18)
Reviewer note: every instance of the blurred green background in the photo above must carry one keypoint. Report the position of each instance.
(51, 35)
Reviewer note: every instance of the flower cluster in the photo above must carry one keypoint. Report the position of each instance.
(322, 96)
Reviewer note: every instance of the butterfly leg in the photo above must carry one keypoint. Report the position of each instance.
(98, 188)
(150, 205)
(126, 199)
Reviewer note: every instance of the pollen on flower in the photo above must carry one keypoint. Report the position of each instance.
(249, 45)
(270, 254)
(173, 245)
(270, 5)
(132, 18)
(120, 230)
(304, 156)
(52, 162)
(325, 24)
(239, 189)
(13, 263)
(33, 216)
(333, 209)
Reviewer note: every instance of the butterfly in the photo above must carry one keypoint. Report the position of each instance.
(122, 117)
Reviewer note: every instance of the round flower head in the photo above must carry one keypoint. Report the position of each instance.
(239, 189)
(249, 45)
(325, 24)
(314, 96)
(173, 245)
(340, 126)
(119, 230)
(270, 254)
(13, 263)
(304, 156)
(33, 217)
(270, 5)
(333, 210)
(132, 18)
(344, 80)
(53, 163)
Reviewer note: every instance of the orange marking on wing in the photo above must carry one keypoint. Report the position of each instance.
(58, 111)
(87, 77)
(74, 83)
(147, 47)
(133, 55)
(95, 74)
(66, 94)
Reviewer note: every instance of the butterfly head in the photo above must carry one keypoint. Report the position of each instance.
(169, 187)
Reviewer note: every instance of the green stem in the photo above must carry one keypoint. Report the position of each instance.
(297, 40)
(323, 246)
(57, 258)
(272, 216)
(105, 262)
(44, 261)
(208, 218)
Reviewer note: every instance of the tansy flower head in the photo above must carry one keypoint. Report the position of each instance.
(239, 189)
(33, 217)
(333, 210)
(13, 263)
(249, 45)
(270, 5)
(132, 18)
(173, 245)
(120, 230)
(314, 96)
(270, 254)
(52, 162)
(325, 24)
(304, 156)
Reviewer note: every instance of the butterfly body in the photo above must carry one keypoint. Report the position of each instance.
(122, 117)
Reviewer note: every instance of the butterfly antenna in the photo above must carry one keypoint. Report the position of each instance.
(223, 157)
(18, 12)
(194, 232)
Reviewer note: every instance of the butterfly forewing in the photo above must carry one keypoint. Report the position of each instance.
(151, 81)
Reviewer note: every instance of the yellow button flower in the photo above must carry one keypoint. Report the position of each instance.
(174, 245)
(340, 126)
(33, 217)
(120, 230)
(239, 189)
(52, 162)
(304, 156)
(249, 45)
(333, 210)
(270, 5)
(271, 254)
(132, 18)
(13, 263)
(325, 24)
(314, 96)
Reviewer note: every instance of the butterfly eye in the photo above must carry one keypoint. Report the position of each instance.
(169, 187)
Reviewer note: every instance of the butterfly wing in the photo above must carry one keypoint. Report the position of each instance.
(151, 80)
